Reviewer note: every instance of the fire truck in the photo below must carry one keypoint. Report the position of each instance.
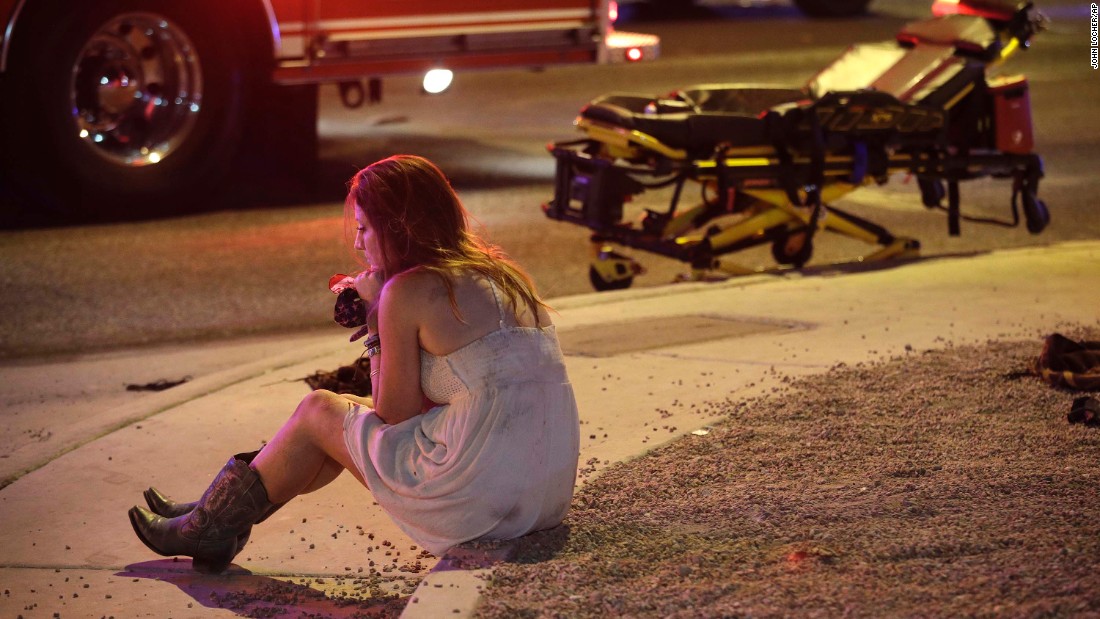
(138, 107)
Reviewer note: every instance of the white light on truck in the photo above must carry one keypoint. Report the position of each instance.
(437, 80)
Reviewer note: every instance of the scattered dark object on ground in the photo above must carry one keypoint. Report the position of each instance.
(353, 379)
(1068, 364)
(1085, 410)
(927, 485)
(157, 385)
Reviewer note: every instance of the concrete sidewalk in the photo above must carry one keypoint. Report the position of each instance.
(648, 365)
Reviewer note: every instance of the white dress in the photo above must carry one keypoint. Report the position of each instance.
(496, 460)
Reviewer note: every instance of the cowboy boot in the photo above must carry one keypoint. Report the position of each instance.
(208, 534)
(163, 506)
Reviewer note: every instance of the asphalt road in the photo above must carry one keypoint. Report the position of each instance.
(262, 269)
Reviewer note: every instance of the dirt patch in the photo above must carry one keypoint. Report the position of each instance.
(945, 483)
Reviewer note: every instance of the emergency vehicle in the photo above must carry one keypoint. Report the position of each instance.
(130, 107)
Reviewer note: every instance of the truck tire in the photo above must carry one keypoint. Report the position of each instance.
(832, 8)
(124, 108)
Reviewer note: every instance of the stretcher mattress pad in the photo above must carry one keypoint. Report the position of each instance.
(695, 119)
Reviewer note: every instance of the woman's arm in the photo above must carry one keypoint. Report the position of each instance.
(358, 399)
(395, 372)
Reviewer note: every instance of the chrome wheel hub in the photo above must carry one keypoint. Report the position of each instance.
(136, 89)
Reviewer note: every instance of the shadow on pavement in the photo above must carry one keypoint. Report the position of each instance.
(531, 548)
(254, 595)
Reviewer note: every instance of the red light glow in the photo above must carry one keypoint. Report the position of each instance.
(633, 54)
(613, 11)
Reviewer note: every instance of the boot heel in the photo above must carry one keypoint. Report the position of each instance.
(213, 565)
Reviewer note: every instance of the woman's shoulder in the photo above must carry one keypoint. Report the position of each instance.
(411, 284)
(416, 287)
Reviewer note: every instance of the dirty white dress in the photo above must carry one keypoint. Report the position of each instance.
(496, 460)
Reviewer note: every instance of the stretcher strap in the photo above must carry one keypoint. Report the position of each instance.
(859, 162)
(817, 175)
(953, 214)
(788, 175)
(817, 165)
(774, 127)
(723, 184)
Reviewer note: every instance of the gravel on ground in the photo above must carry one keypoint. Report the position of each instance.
(944, 483)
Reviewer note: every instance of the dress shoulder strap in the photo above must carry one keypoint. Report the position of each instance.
(496, 297)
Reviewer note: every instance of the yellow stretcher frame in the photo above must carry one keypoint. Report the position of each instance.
(776, 208)
(771, 214)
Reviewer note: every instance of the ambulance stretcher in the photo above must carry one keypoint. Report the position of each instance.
(768, 162)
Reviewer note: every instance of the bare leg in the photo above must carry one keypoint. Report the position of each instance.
(308, 452)
(330, 470)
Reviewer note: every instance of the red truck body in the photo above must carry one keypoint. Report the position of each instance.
(140, 101)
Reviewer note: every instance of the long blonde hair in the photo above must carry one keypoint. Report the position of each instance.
(421, 223)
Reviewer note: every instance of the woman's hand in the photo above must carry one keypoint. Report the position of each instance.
(369, 286)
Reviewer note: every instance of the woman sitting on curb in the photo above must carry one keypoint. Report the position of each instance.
(472, 431)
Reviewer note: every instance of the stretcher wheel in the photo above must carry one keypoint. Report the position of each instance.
(1036, 213)
(932, 191)
(614, 283)
(610, 270)
(794, 249)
